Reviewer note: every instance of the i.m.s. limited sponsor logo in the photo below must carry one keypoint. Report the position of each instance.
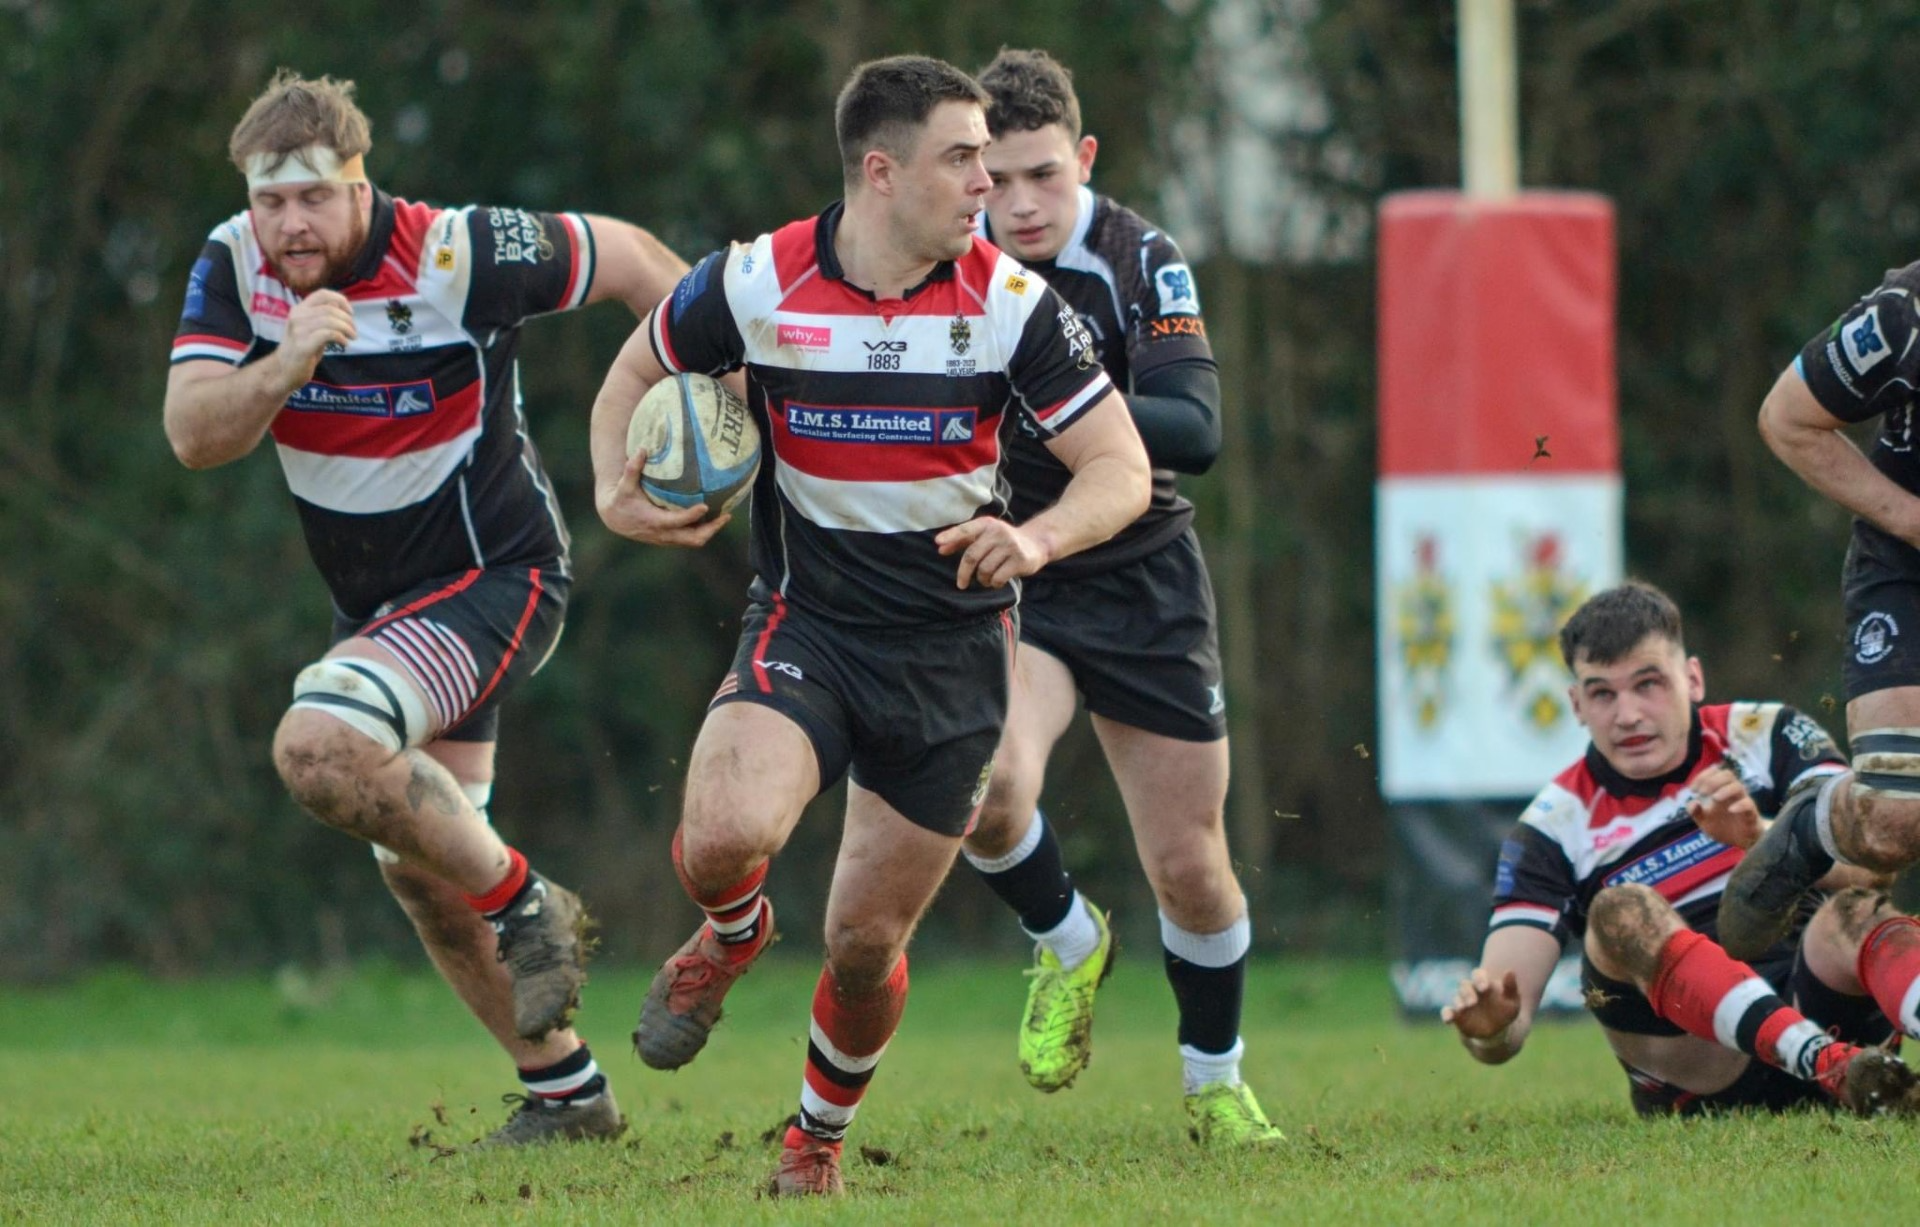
(374, 400)
(839, 424)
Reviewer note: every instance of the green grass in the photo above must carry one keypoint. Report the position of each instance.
(263, 1101)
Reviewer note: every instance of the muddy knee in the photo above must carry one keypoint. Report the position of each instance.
(1878, 824)
(1627, 926)
(1851, 914)
(321, 761)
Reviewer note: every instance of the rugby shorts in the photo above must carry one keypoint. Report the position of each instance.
(1142, 640)
(1880, 594)
(912, 714)
(468, 640)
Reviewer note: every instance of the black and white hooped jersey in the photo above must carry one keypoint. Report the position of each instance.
(407, 452)
(1593, 827)
(1867, 364)
(1136, 294)
(882, 419)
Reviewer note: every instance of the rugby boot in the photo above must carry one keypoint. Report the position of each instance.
(1867, 1081)
(682, 1004)
(536, 1121)
(1056, 1036)
(542, 943)
(1760, 903)
(809, 1166)
(1226, 1116)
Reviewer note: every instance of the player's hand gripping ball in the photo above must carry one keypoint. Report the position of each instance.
(702, 444)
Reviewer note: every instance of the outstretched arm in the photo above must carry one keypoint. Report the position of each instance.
(1494, 1007)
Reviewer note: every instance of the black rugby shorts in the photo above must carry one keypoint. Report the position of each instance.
(1880, 592)
(469, 639)
(912, 714)
(1142, 640)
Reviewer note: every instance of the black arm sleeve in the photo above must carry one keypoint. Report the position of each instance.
(1177, 410)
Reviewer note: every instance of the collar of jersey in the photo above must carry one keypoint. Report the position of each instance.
(1621, 786)
(829, 260)
(379, 234)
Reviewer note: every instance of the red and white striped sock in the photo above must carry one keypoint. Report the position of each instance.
(1701, 989)
(1889, 966)
(734, 912)
(845, 1043)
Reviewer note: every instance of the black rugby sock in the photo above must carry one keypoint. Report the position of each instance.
(1037, 885)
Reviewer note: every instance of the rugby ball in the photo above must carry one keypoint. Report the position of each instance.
(701, 442)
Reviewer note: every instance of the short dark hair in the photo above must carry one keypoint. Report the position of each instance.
(884, 103)
(294, 112)
(1030, 89)
(1611, 623)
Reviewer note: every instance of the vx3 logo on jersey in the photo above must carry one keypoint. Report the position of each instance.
(884, 355)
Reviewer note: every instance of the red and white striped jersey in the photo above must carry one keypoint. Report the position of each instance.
(884, 419)
(407, 452)
(1593, 827)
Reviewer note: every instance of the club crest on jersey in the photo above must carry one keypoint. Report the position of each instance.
(1178, 296)
(960, 335)
(1863, 341)
(1528, 611)
(1423, 623)
(399, 316)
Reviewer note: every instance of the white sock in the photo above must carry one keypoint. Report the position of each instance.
(1197, 1068)
(1823, 818)
(1014, 855)
(1074, 939)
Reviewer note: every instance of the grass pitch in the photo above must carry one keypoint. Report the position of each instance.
(295, 1100)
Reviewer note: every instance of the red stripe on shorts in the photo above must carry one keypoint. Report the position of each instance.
(513, 649)
(760, 645)
(457, 586)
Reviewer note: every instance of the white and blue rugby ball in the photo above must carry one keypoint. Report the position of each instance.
(702, 444)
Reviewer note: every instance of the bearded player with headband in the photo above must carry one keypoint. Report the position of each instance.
(375, 339)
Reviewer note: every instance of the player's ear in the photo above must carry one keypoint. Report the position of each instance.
(877, 169)
(1084, 154)
(1696, 680)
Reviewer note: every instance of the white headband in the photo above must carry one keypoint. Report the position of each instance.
(312, 164)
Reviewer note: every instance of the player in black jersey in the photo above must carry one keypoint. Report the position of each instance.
(1627, 852)
(886, 346)
(374, 339)
(1129, 624)
(1866, 365)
